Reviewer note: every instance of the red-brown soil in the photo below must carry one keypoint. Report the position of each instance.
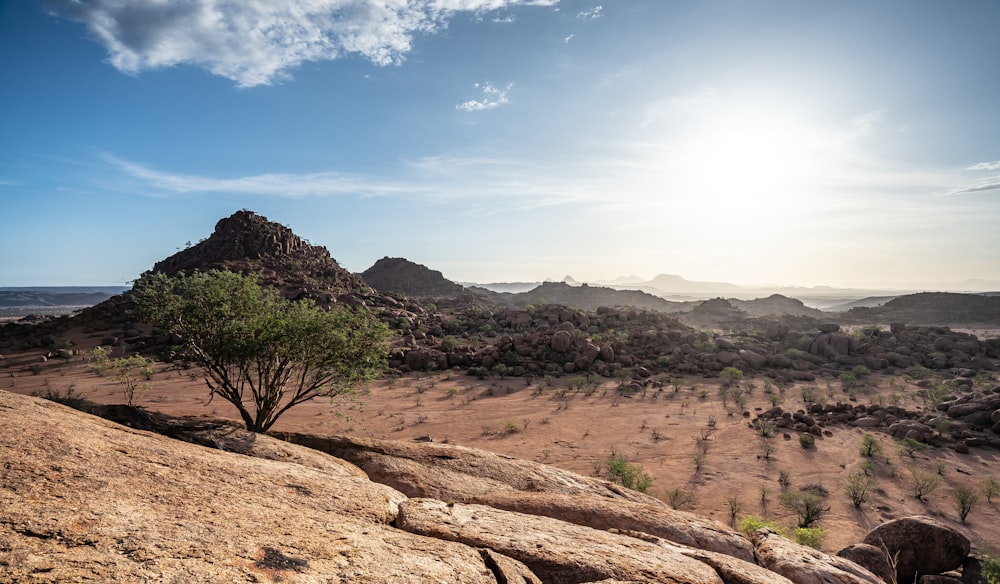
(572, 430)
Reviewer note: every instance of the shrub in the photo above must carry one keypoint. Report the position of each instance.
(731, 375)
(806, 440)
(990, 488)
(990, 569)
(923, 483)
(618, 469)
(966, 500)
(752, 523)
(909, 446)
(808, 507)
(679, 498)
(870, 446)
(784, 478)
(857, 486)
(810, 536)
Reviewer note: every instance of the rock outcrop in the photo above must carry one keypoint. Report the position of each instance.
(399, 275)
(924, 546)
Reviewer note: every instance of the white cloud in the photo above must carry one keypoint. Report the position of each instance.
(595, 12)
(985, 166)
(505, 20)
(993, 185)
(256, 42)
(493, 97)
(569, 38)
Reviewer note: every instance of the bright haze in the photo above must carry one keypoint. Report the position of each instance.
(850, 143)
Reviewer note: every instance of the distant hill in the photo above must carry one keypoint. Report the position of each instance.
(402, 275)
(868, 302)
(65, 296)
(942, 308)
(590, 298)
(776, 305)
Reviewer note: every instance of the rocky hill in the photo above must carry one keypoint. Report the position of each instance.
(411, 279)
(589, 298)
(86, 499)
(249, 243)
(940, 308)
(777, 305)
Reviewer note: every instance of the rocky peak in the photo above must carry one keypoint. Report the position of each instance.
(248, 242)
(402, 275)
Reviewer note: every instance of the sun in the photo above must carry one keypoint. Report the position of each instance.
(747, 162)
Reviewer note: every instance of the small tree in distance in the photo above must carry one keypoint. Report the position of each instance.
(261, 352)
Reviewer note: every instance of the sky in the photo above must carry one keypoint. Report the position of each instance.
(850, 143)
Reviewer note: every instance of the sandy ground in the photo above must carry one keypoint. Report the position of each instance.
(660, 431)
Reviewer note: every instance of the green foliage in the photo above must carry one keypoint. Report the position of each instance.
(810, 536)
(909, 446)
(923, 483)
(870, 446)
(857, 487)
(99, 361)
(679, 498)
(966, 500)
(752, 523)
(990, 488)
(808, 507)
(261, 352)
(618, 469)
(731, 375)
(129, 372)
(807, 440)
(990, 569)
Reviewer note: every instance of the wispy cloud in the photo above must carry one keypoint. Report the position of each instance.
(270, 184)
(595, 12)
(991, 186)
(256, 42)
(493, 97)
(569, 38)
(985, 166)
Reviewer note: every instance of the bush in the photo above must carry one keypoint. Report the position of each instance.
(857, 486)
(810, 536)
(752, 523)
(618, 469)
(966, 500)
(870, 446)
(808, 507)
(990, 569)
(923, 483)
(990, 488)
(806, 440)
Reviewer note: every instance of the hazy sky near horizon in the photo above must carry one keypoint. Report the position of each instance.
(849, 143)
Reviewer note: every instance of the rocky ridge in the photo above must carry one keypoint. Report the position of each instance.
(399, 275)
(82, 498)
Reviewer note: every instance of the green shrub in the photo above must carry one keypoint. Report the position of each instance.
(618, 469)
(752, 523)
(810, 536)
(806, 440)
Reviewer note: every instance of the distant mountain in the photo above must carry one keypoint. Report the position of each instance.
(868, 302)
(402, 275)
(590, 297)
(504, 287)
(41, 297)
(776, 305)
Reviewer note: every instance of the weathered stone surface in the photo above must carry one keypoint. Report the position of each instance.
(924, 546)
(936, 579)
(804, 565)
(602, 513)
(731, 570)
(558, 552)
(85, 499)
(450, 472)
(871, 558)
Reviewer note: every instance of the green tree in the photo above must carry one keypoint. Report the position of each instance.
(261, 352)
(808, 507)
(129, 372)
(618, 469)
(731, 375)
(870, 446)
(857, 487)
(966, 500)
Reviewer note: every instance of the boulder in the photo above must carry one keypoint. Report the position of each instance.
(871, 558)
(924, 545)
(804, 565)
(558, 552)
(561, 341)
(88, 500)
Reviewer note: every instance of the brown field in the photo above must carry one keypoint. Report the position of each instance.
(577, 429)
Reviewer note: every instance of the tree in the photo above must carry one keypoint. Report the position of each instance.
(870, 446)
(731, 375)
(808, 507)
(261, 352)
(618, 469)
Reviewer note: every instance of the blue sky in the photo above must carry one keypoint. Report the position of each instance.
(850, 143)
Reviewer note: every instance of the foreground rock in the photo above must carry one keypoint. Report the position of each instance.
(454, 473)
(924, 546)
(558, 552)
(84, 499)
(804, 565)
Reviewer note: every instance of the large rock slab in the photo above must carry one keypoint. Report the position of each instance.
(558, 552)
(447, 471)
(871, 558)
(924, 545)
(466, 475)
(805, 565)
(85, 499)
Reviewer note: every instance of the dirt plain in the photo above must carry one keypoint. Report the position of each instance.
(578, 427)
